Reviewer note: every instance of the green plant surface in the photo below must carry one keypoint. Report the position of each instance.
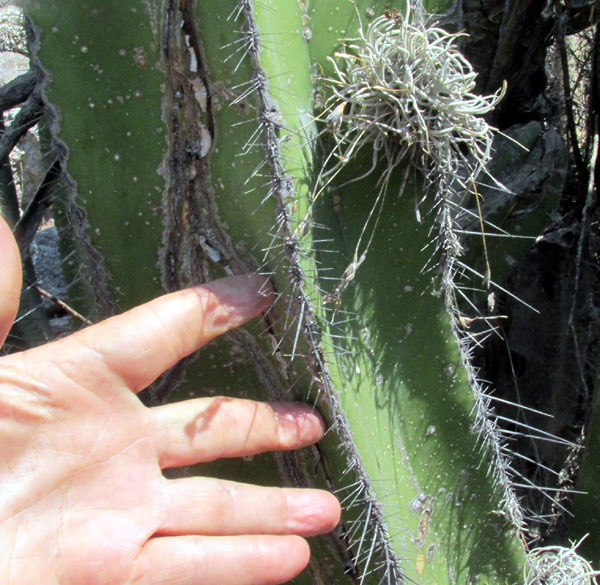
(102, 61)
(409, 405)
(146, 227)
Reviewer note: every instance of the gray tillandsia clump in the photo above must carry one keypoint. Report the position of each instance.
(404, 89)
(559, 565)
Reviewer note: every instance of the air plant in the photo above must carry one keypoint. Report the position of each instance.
(559, 565)
(404, 89)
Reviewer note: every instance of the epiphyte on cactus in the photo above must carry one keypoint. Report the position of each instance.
(404, 89)
(559, 565)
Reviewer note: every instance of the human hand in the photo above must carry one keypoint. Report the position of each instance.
(82, 497)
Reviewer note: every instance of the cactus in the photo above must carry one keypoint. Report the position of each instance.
(200, 139)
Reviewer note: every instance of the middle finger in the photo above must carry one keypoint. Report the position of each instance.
(205, 429)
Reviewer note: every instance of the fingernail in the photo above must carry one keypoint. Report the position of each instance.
(312, 511)
(248, 294)
(298, 424)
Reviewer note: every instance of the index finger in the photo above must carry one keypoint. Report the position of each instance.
(140, 344)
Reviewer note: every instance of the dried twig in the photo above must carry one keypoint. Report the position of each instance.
(29, 222)
(68, 309)
(27, 117)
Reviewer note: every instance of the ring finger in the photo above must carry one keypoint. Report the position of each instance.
(216, 508)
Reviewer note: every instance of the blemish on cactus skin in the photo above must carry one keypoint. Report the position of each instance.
(205, 140)
(450, 370)
(140, 58)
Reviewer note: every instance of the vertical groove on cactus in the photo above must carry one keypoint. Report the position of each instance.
(197, 244)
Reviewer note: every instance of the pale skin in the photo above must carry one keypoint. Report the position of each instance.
(83, 500)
